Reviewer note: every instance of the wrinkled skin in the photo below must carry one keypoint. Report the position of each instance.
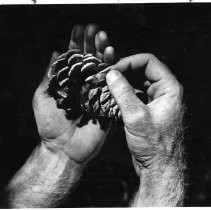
(151, 130)
(79, 143)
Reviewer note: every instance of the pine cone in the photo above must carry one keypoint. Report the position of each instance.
(75, 95)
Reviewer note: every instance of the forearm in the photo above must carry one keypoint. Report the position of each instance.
(44, 180)
(162, 187)
(163, 183)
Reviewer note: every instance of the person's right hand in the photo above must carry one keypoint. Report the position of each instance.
(59, 134)
(152, 130)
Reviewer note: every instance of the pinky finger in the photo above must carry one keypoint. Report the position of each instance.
(110, 55)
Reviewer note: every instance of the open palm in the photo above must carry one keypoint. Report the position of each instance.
(80, 143)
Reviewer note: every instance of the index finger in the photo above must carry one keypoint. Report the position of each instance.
(154, 69)
(77, 38)
(89, 38)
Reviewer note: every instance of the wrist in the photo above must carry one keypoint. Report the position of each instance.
(160, 165)
(54, 153)
(51, 173)
(161, 185)
(162, 157)
(149, 165)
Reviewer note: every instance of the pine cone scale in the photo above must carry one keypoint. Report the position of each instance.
(72, 93)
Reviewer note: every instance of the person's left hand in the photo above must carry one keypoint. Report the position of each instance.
(59, 134)
(153, 130)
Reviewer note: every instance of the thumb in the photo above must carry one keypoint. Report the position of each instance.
(47, 74)
(129, 104)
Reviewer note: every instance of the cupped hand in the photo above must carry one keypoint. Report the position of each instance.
(152, 129)
(59, 134)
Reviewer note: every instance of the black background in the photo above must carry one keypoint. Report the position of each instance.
(178, 34)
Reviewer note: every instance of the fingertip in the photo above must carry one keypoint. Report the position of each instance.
(109, 50)
(109, 55)
(102, 35)
(112, 76)
(91, 30)
(101, 41)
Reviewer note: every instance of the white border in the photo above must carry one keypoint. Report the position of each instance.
(95, 1)
(200, 1)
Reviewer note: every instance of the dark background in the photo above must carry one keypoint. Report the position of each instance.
(178, 34)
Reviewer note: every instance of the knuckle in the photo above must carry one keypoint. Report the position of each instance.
(125, 91)
(120, 90)
(137, 116)
(151, 56)
(154, 60)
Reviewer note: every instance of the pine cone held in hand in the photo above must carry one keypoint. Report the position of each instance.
(69, 86)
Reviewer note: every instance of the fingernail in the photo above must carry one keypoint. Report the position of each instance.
(112, 76)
